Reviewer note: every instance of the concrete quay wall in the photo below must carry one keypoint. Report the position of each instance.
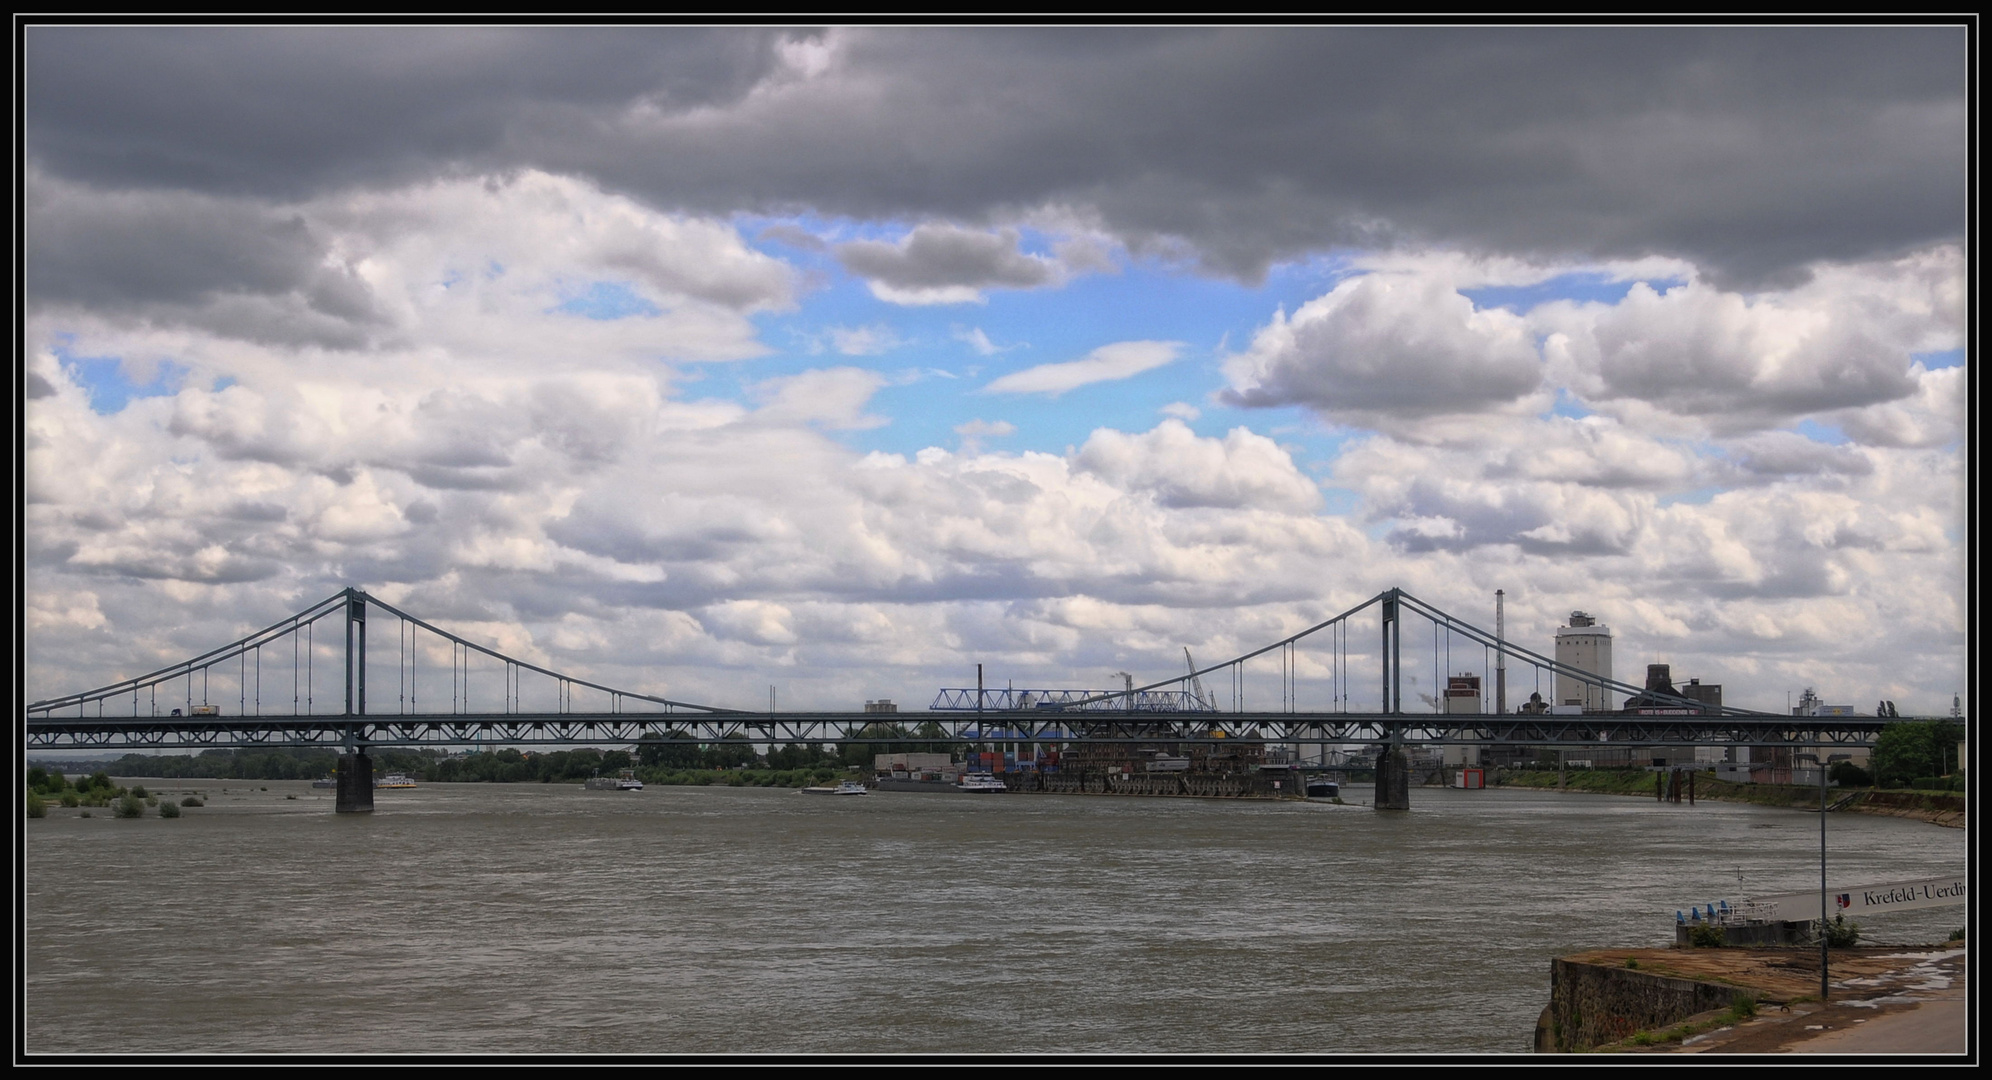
(1591, 1004)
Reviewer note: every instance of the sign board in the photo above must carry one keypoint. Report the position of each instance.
(1869, 899)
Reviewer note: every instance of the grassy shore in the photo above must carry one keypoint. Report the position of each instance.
(1941, 807)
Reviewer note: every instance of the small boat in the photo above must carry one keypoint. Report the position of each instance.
(393, 781)
(848, 787)
(326, 781)
(1320, 787)
(981, 784)
(623, 781)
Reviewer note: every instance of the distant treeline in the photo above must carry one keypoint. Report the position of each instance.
(499, 767)
(272, 764)
(658, 755)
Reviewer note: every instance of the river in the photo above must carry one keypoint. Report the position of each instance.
(549, 919)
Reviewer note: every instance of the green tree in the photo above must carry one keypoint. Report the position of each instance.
(1847, 774)
(864, 754)
(1912, 748)
(732, 752)
(671, 750)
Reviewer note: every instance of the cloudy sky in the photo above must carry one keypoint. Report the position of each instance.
(703, 361)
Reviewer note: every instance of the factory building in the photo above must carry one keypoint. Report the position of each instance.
(1463, 698)
(1662, 698)
(1586, 646)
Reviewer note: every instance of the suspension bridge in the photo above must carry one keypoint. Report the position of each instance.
(306, 681)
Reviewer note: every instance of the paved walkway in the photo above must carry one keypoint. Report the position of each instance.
(1919, 1008)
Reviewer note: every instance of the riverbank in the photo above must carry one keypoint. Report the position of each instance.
(1883, 1000)
(1938, 808)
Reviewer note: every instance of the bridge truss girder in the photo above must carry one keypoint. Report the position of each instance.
(1289, 728)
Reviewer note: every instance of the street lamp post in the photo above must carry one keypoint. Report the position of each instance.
(1825, 930)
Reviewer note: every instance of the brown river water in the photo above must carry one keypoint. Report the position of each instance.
(520, 919)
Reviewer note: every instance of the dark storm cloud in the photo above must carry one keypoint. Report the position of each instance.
(938, 256)
(1750, 151)
(230, 265)
(290, 112)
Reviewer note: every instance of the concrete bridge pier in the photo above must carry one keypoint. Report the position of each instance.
(356, 784)
(1393, 780)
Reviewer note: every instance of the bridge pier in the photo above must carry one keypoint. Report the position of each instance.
(356, 783)
(1393, 779)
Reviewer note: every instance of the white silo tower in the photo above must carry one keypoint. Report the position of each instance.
(1586, 645)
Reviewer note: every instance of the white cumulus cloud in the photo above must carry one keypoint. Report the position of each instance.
(1107, 363)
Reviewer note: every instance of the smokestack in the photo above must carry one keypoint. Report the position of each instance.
(1500, 653)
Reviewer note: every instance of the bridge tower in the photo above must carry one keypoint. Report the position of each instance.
(1393, 767)
(355, 770)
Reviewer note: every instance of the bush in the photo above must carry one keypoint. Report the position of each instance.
(1849, 775)
(167, 809)
(140, 791)
(36, 806)
(1957, 934)
(86, 813)
(1705, 936)
(192, 800)
(1841, 934)
(1744, 1005)
(71, 800)
(130, 806)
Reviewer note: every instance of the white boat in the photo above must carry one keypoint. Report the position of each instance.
(981, 784)
(848, 787)
(394, 780)
(629, 783)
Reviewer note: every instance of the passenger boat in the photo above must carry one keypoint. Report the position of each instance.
(393, 780)
(981, 784)
(848, 787)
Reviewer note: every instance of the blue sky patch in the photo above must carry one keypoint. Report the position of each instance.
(1582, 287)
(933, 354)
(1568, 405)
(1697, 497)
(1945, 358)
(110, 386)
(608, 300)
(1822, 433)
